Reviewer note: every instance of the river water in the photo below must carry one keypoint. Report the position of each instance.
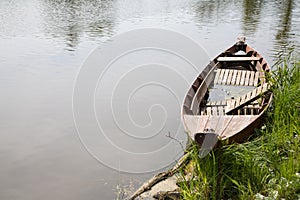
(43, 44)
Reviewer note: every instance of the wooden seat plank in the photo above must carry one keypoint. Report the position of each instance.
(238, 78)
(242, 81)
(208, 110)
(214, 110)
(253, 93)
(236, 59)
(222, 103)
(234, 76)
(217, 76)
(251, 80)
(229, 77)
(225, 77)
(215, 103)
(256, 78)
(243, 99)
(221, 76)
(247, 78)
(221, 110)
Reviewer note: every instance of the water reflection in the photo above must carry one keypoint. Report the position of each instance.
(285, 21)
(283, 35)
(251, 18)
(72, 19)
(207, 10)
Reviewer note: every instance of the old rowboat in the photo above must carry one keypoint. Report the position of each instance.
(228, 98)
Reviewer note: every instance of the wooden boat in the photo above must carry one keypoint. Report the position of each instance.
(228, 98)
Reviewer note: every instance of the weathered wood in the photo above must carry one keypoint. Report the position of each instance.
(221, 110)
(217, 76)
(234, 71)
(247, 78)
(253, 93)
(256, 78)
(229, 77)
(246, 99)
(234, 76)
(202, 90)
(221, 76)
(196, 84)
(223, 103)
(242, 81)
(251, 107)
(215, 110)
(238, 79)
(236, 59)
(251, 79)
(208, 110)
(225, 77)
(237, 124)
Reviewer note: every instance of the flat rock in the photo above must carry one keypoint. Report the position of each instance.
(160, 188)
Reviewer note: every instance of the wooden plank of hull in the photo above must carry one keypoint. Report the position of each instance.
(195, 107)
(194, 123)
(198, 123)
(238, 124)
(225, 126)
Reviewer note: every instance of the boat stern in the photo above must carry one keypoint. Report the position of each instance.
(206, 140)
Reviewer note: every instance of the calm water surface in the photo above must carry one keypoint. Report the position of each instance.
(43, 43)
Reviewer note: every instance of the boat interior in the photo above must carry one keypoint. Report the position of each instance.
(234, 83)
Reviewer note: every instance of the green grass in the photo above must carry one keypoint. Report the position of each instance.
(265, 167)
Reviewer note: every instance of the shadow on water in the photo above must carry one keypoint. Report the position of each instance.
(251, 17)
(73, 19)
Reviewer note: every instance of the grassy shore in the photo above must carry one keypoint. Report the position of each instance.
(265, 167)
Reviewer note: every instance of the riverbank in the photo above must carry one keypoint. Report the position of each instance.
(267, 166)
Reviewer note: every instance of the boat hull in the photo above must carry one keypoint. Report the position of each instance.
(239, 72)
